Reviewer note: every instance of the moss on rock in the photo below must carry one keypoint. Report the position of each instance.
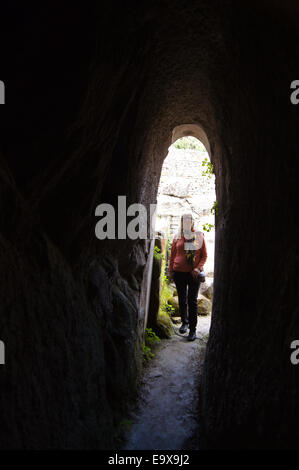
(174, 302)
(164, 325)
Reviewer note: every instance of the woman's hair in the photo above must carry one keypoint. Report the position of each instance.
(198, 235)
(184, 217)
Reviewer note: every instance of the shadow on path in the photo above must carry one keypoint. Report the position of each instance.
(165, 416)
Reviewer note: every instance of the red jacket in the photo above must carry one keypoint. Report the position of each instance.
(178, 261)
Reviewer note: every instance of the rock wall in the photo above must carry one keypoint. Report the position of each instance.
(71, 342)
(70, 321)
(182, 177)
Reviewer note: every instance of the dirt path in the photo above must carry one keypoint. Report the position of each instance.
(165, 416)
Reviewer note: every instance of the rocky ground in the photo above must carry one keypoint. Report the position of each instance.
(165, 416)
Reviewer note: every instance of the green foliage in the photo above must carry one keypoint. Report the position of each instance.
(147, 353)
(157, 253)
(163, 319)
(209, 170)
(166, 291)
(189, 142)
(164, 269)
(214, 208)
(150, 337)
(168, 308)
(207, 227)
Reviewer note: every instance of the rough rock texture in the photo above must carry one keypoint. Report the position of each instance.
(95, 96)
(204, 305)
(164, 328)
(208, 291)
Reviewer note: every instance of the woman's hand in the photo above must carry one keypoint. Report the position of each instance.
(195, 274)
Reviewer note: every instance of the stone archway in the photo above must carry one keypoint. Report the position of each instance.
(194, 130)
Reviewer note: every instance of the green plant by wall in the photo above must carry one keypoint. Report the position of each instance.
(209, 169)
(214, 208)
(157, 253)
(165, 285)
(147, 353)
(150, 339)
(207, 227)
(164, 320)
(168, 308)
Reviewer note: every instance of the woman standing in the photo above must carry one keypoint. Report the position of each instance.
(187, 258)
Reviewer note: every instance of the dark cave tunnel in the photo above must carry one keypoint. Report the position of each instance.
(93, 98)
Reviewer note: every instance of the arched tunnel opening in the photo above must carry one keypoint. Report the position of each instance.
(186, 187)
(93, 100)
(165, 414)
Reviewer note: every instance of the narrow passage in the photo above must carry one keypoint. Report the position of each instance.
(165, 416)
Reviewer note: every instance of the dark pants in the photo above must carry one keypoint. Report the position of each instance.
(187, 288)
